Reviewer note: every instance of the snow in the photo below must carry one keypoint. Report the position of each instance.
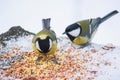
(112, 70)
(23, 42)
(109, 63)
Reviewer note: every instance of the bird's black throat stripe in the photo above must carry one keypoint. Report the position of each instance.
(43, 45)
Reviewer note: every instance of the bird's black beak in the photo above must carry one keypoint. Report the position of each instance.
(64, 33)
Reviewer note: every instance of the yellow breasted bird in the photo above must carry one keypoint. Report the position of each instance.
(44, 42)
(82, 32)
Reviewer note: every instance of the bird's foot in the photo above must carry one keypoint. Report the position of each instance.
(38, 58)
(55, 61)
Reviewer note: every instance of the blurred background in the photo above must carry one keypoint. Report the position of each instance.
(29, 13)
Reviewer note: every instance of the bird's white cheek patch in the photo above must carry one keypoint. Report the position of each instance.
(50, 44)
(37, 46)
(75, 32)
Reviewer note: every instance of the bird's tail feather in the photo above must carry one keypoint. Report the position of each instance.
(108, 16)
(46, 23)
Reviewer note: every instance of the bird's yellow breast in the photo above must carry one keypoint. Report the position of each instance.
(81, 40)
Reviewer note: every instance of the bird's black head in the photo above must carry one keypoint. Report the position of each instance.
(44, 44)
(73, 30)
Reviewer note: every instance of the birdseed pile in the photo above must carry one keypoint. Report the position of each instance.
(74, 63)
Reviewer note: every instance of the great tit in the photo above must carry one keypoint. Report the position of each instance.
(82, 32)
(44, 42)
